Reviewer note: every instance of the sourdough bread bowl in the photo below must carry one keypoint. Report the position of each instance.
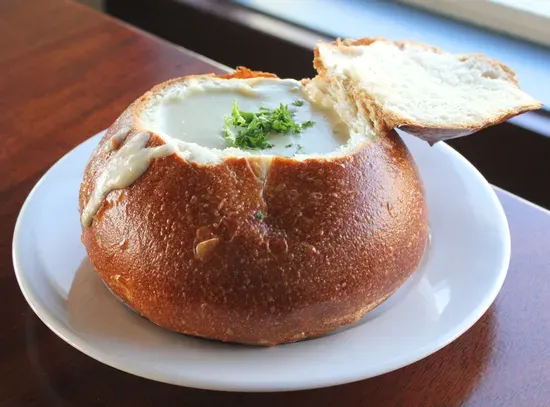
(280, 243)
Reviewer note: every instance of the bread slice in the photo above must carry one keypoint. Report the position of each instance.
(424, 91)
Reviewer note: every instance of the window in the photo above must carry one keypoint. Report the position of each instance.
(396, 20)
(527, 19)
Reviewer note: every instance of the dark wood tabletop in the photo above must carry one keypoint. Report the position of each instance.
(66, 72)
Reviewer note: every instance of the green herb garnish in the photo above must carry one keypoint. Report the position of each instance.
(259, 215)
(307, 124)
(298, 103)
(289, 145)
(300, 148)
(251, 130)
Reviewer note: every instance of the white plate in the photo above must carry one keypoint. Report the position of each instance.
(460, 276)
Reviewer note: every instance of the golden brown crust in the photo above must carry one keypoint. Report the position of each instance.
(184, 246)
(244, 73)
(385, 120)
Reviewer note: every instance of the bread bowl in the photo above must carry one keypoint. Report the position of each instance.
(275, 245)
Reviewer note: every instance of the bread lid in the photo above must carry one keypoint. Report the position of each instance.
(420, 89)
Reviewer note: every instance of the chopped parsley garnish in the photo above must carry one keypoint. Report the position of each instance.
(300, 148)
(307, 124)
(251, 131)
(298, 103)
(289, 145)
(259, 215)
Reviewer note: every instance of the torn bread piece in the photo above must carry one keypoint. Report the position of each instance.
(420, 89)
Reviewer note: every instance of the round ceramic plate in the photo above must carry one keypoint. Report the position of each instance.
(462, 272)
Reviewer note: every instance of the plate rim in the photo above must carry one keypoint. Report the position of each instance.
(111, 360)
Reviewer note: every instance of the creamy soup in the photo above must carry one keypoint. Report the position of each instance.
(197, 116)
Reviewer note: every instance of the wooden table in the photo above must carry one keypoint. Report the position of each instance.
(66, 73)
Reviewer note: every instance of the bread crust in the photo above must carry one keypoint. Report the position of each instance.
(385, 120)
(184, 245)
